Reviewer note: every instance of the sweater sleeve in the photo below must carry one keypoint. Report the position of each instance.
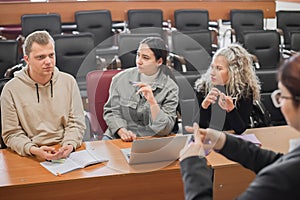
(197, 178)
(238, 118)
(76, 123)
(205, 114)
(165, 120)
(248, 154)
(112, 109)
(12, 133)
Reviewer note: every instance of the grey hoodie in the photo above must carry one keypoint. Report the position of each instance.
(36, 115)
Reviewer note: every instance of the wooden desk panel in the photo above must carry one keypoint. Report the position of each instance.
(23, 177)
(10, 13)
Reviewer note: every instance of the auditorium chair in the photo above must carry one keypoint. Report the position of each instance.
(98, 84)
(186, 20)
(75, 55)
(287, 23)
(242, 21)
(145, 21)
(8, 55)
(33, 22)
(98, 22)
(264, 45)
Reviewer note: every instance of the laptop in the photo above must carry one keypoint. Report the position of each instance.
(155, 149)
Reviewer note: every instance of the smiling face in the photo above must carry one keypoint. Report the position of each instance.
(41, 62)
(219, 71)
(146, 61)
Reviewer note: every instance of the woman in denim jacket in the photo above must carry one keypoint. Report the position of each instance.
(142, 100)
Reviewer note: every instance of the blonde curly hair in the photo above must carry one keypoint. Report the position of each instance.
(242, 81)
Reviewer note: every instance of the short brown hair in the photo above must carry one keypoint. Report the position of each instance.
(40, 37)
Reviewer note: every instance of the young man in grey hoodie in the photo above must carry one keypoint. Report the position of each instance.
(41, 106)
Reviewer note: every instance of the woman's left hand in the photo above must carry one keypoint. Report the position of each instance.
(146, 90)
(226, 102)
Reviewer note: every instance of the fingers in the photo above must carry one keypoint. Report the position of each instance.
(197, 136)
(226, 102)
(66, 150)
(189, 129)
(128, 136)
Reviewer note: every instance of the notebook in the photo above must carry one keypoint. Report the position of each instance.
(155, 149)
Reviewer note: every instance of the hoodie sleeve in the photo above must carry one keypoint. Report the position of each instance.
(76, 123)
(12, 133)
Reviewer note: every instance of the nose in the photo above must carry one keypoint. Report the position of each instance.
(212, 71)
(49, 60)
(138, 60)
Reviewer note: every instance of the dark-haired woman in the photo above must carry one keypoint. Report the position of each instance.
(143, 99)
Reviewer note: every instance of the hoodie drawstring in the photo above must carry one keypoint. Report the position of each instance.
(51, 88)
(37, 92)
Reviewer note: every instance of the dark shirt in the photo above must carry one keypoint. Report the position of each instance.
(217, 118)
(277, 174)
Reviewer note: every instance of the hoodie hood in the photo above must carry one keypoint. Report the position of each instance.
(23, 75)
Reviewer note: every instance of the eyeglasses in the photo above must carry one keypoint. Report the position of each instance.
(277, 98)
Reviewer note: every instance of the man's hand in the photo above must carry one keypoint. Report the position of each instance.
(47, 153)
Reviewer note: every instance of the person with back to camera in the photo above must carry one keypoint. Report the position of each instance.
(277, 175)
(41, 106)
(143, 99)
(227, 90)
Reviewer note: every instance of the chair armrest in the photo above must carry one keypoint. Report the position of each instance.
(181, 59)
(93, 126)
(255, 61)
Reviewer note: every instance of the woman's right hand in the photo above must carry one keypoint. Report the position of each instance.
(125, 135)
(210, 98)
(211, 139)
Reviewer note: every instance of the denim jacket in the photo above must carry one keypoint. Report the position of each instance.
(127, 109)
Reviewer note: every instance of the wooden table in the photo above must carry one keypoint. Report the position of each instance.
(24, 178)
(11, 12)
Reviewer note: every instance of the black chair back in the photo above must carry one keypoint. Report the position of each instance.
(265, 46)
(145, 21)
(191, 19)
(288, 22)
(33, 22)
(246, 20)
(98, 22)
(295, 41)
(75, 54)
(8, 55)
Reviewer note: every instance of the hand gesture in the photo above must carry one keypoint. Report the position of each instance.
(146, 90)
(226, 102)
(211, 139)
(195, 148)
(210, 98)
